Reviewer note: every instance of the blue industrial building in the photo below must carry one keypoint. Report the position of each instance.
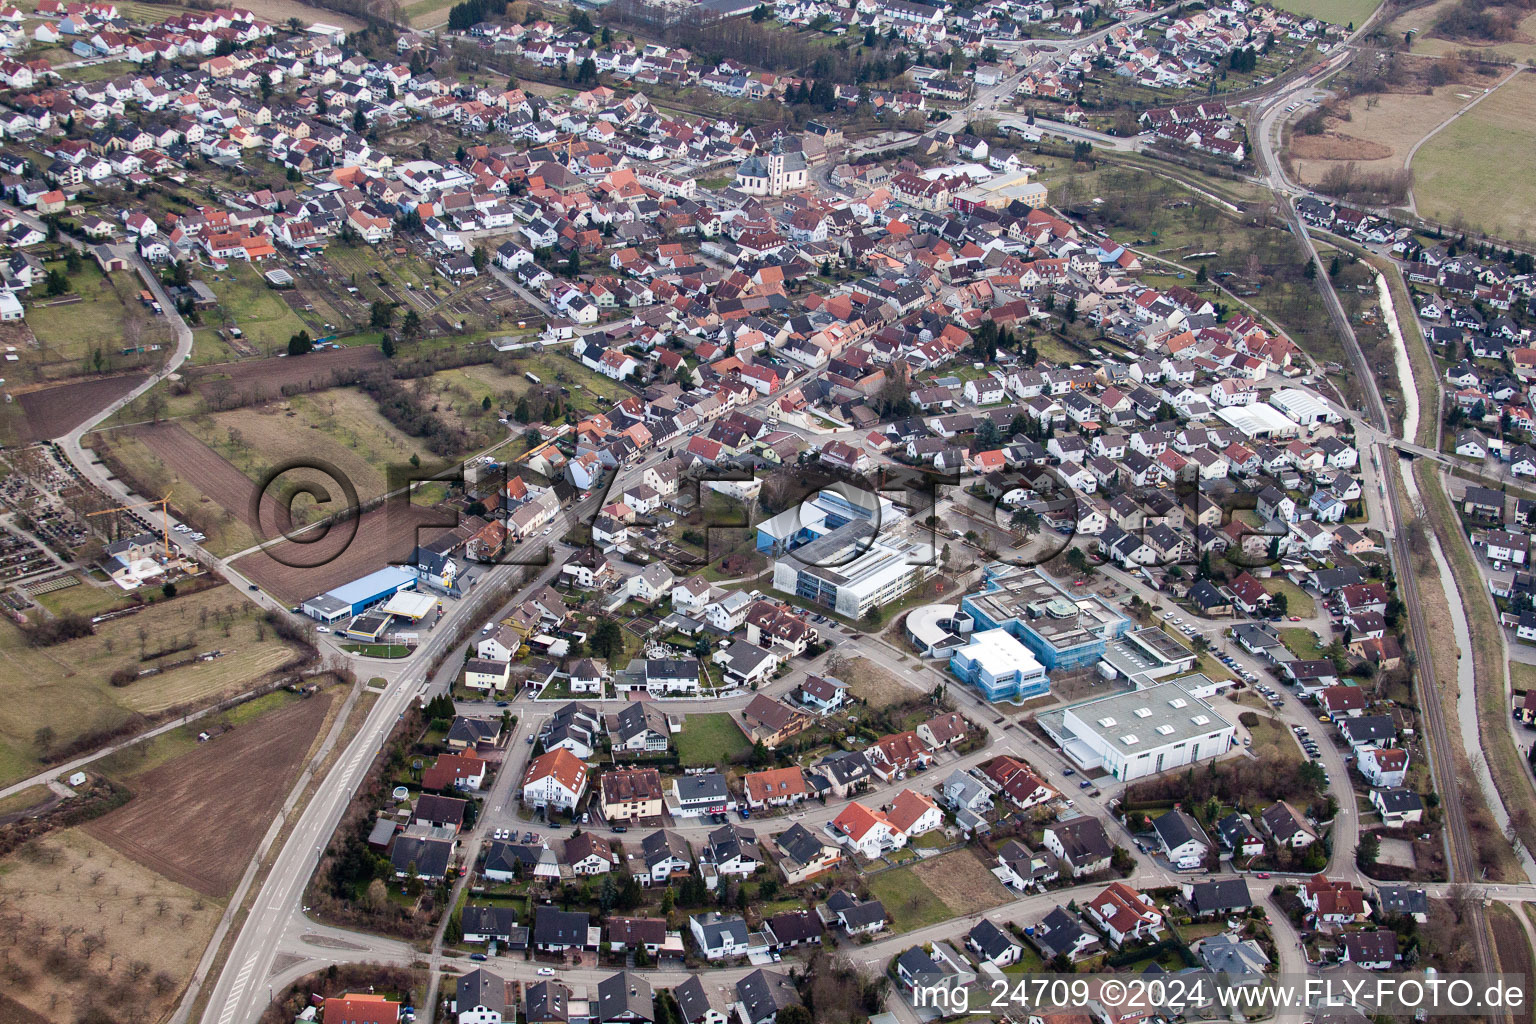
(999, 665)
(1064, 631)
(354, 598)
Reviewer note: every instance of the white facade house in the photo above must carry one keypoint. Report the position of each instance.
(554, 779)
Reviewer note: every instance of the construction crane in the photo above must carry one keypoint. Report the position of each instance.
(165, 517)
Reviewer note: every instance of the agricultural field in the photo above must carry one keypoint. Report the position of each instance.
(1380, 131)
(52, 697)
(196, 818)
(150, 459)
(1462, 174)
(341, 426)
(81, 921)
(1521, 48)
(317, 561)
(55, 411)
(427, 13)
(710, 739)
(1340, 12)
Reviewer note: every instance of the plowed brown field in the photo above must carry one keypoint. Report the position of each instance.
(196, 819)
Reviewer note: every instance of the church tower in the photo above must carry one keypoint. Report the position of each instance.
(776, 167)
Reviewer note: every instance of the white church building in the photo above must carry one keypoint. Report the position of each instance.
(775, 174)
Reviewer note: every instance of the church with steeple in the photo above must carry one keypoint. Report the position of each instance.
(774, 174)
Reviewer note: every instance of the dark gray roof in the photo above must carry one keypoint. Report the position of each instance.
(498, 921)
(474, 730)
(546, 1000)
(800, 843)
(430, 857)
(701, 787)
(1399, 799)
(845, 768)
(482, 988)
(794, 926)
(729, 841)
(1219, 896)
(1234, 830)
(764, 993)
(625, 996)
(1402, 899)
(1175, 828)
(714, 924)
(1083, 839)
(661, 843)
(1375, 729)
(1057, 932)
(555, 927)
(918, 964)
(692, 1000)
(991, 940)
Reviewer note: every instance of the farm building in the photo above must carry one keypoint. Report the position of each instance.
(354, 598)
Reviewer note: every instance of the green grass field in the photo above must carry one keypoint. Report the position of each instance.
(85, 599)
(1297, 601)
(71, 328)
(1300, 641)
(910, 903)
(710, 739)
(1463, 175)
(378, 650)
(1339, 12)
(1522, 676)
(257, 310)
(426, 13)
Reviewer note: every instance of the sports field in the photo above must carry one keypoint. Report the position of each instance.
(1469, 173)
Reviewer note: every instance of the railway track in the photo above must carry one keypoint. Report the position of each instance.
(1461, 856)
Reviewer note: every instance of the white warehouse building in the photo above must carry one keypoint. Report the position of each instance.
(1140, 733)
(1259, 422)
(1303, 408)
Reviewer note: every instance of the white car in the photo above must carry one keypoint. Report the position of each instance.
(322, 629)
(546, 972)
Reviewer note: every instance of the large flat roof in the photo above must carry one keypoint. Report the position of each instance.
(372, 585)
(1153, 717)
(410, 604)
(1061, 618)
(1256, 420)
(998, 652)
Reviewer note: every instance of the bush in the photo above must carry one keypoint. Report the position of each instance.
(59, 630)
